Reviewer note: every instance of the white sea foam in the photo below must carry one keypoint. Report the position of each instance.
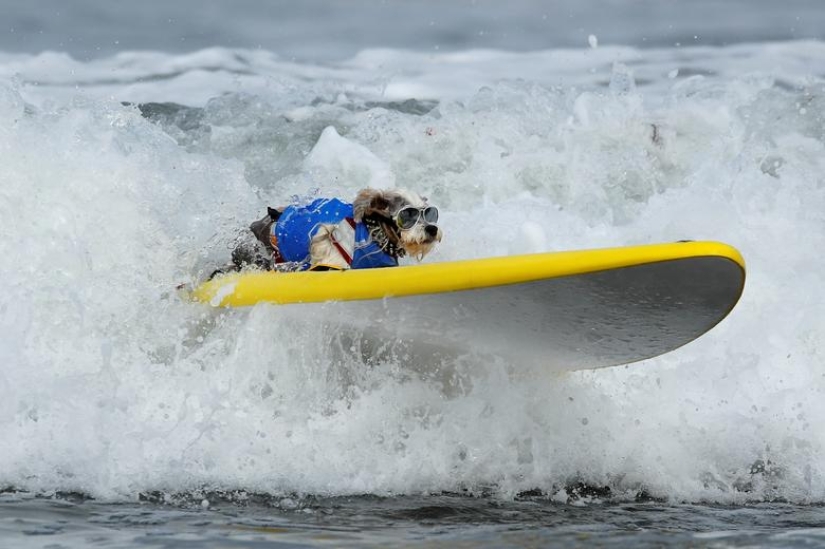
(111, 385)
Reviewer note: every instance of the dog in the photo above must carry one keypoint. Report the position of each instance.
(375, 230)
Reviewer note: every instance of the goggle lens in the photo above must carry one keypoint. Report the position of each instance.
(431, 214)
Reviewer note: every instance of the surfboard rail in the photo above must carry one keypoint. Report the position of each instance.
(249, 288)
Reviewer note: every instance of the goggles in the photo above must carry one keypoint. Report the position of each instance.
(409, 216)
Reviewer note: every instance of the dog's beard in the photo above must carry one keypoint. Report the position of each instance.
(417, 243)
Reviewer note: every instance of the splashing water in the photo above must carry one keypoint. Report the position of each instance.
(112, 386)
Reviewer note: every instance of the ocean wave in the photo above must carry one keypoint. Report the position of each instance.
(127, 175)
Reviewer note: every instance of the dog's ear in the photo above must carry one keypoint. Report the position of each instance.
(370, 202)
(273, 213)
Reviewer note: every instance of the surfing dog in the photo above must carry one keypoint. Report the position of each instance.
(375, 230)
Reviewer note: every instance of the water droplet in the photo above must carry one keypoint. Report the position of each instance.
(593, 41)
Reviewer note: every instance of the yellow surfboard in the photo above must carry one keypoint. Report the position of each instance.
(569, 310)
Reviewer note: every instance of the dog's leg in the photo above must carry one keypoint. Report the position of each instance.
(251, 252)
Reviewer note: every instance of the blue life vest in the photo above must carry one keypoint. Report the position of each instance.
(298, 224)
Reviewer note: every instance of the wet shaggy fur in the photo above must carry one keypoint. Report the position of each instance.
(376, 208)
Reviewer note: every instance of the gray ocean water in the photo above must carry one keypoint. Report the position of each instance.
(323, 30)
(432, 521)
(166, 462)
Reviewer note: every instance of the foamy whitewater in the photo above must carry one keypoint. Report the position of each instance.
(126, 175)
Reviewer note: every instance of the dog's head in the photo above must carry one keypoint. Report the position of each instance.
(404, 217)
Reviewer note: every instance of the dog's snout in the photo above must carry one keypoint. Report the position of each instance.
(431, 230)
